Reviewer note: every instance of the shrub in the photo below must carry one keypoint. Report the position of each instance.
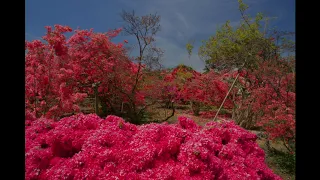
(86, 146)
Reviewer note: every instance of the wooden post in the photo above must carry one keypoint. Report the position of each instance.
(230, 88)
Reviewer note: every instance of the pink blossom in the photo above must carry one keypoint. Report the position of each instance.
(88, 147)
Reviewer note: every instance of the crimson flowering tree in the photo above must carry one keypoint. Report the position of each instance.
(204, 89)
(193, 91)
(46, 90)
(177, 78)
(155, 89)
(87, 146)
(186, 84)
(268, 93)
(154, 85)
(176, 82)
(98, 61)
(63, 71)
(210, 88)
(277, 105)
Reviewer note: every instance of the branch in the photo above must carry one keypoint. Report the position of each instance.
(144, 107)
(172, 114)
(285, 145)
(244, 18)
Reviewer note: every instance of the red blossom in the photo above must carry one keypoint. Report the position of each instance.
(60, 71)
(86, 146)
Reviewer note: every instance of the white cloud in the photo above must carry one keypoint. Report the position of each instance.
(181, 18)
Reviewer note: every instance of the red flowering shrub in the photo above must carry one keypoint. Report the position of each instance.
(177, 80)
(61, 72)
(268, 96)
(209, 88)
(88, 147)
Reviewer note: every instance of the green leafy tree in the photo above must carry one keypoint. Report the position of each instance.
(189, 47)
(245, 46)
(237, 47)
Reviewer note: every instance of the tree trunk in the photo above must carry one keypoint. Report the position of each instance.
(195, 106)
(96, 99)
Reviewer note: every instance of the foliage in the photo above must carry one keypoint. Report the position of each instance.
(269, 93)
(286, 162)
(177, 79)
(232, 47)
(265, 94)
(189, 47)
(208, 89)
(86, 146)
(62, 72)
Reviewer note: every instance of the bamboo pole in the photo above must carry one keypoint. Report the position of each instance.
(226, 97)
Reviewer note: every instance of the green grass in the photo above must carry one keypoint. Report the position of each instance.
(284, 161)
(281, 162)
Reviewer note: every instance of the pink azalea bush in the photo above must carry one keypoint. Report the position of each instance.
(88, 147)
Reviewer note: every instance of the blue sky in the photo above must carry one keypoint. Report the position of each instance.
(181, 20)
